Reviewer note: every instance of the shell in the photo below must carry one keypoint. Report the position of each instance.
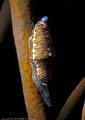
(40, 53)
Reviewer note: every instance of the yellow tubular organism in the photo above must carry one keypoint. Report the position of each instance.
(83, 112)
(22, 27)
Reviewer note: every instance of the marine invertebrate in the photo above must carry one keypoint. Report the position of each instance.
(22, 27)
(83, 112)
(72, 100)
(40, 54)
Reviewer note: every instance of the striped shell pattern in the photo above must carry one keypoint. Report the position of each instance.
(40, 52)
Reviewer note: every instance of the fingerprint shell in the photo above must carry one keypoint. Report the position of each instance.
(40, 52)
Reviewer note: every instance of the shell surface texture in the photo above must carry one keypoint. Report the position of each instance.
(40, 53)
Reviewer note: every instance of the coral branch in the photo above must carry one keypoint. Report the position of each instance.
(83, 112)
(4, 19)
(22, 27)
(72, 101)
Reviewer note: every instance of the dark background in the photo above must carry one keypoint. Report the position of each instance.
(67, 23)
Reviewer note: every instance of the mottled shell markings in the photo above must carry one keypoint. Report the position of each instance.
(40, 52)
